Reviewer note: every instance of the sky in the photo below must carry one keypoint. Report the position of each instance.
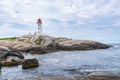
(97, 20)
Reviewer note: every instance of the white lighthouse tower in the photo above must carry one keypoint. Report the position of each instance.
(39, 22)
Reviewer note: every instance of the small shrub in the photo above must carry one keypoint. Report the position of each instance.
(38, 42)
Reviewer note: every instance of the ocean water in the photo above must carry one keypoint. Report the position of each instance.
(68, 63)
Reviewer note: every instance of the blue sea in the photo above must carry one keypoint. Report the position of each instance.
(68, 63)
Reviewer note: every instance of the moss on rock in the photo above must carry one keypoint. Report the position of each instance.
(13, 63)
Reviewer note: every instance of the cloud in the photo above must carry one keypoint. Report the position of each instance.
(8, 31)
(83, 19)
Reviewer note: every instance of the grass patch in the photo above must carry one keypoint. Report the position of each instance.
(11, 38)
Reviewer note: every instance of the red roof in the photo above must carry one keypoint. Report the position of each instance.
(39, 21)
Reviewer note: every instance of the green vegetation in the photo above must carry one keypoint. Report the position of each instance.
(11, 38)
(38, 42)
(13, 63)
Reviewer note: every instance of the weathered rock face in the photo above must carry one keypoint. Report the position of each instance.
(2, 48)
(39, 49)
(5, 54)
(14, 45)
(12, 63)
(9, 57)
(62, 43)
(80, 45)
(30, 63)
(42, 40)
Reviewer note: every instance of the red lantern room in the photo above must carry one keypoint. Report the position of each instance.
(39, 21)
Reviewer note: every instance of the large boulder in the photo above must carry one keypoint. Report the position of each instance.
(9, 57)
(15, 45)
(70, 44)
(7, 63)
(2, 48)
(48, 40)
(30, 63)
(23, 39)
(15, 53)
(5, 54)
(62, 39)
(42, 40)
(11, 61)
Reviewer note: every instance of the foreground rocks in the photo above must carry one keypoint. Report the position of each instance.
(9, 57)
(91, 76)
(14, 58)
(12, 63)
(30, 63)
(5, 52)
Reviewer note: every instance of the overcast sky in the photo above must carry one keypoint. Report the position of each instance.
(79, 19)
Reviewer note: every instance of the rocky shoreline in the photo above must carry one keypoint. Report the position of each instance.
(88, 76)
(47, 44)
(12, 51)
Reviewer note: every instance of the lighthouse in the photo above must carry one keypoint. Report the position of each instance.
(39, 23)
